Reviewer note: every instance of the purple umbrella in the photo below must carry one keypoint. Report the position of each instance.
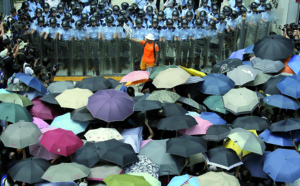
(110, 105)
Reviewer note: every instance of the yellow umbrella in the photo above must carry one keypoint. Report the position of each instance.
(230, 144)
(136, 82)
(74, 98)
(193, 72)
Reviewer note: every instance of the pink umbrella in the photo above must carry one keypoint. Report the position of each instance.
(48, 129)
(135, 76)
(144, 142)
(60, 141)
(40, 123)
(39, 151)
(44, 110)
(201, 128)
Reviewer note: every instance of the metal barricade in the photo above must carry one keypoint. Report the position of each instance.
(65, 57)
(109, 57)
(200, 52)
(250, 37)
(94, 65)
(262, 30)
(136, 55)
(50, 50)
(125, 65)
(80, 58)
(214, 49)
(221, 47)
(183, 52)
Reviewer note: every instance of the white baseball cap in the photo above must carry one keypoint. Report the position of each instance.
(150, 37)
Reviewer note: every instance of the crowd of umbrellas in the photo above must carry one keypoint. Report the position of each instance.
(94, 130)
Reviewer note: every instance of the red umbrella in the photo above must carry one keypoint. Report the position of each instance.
(44, 110)
(60, 141)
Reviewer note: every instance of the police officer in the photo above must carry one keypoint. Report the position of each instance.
(85, 20)
(212, 32)
(139, 32)
(154, 29)
(68, 17)
(115, 15)
(77, 12)
(203, 7)
(109, 30)
(242, 10)
(142, 16)
(52, 30)
(167, 36)
(168, 33)
(227, 11)
(107, 4)
(60, 15)
(33, 5)
(190, 6)
(46, 13)
(65, 35)
(108, 13)
(253, 16)
(262, 6)
(199, 34)
(268, 15)
(169, 10)
(124, 5)
(203, 18)
(175, 17)
(189, 18)
(238, 5)
(87, 9)
(149, 15)
(94, 34)
(141, 3)
(53, 13)
(40, 28)
(214, 14)
(222, 24)
(101, 9)
(234, 22)
(124, 46)
(161, 18)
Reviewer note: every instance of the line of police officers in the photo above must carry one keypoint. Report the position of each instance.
(182, 36)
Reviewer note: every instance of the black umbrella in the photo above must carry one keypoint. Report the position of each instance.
(172, 109)
(29, 170)
(176, 123)
(216, 133)
(273, 47)
(82, 114)
(270, 87)
(222, 157)
(114, 83)
(226, 65)
(94, 84)
(186, 146)
(88, 154)
(286, 125)
(50, 98)
(117, 152)
(145, 105)
(251, 123)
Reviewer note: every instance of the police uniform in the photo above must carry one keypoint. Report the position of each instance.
(66, 34)
(234, 22)
(61, 16)
(222, 26)
(51, 31)
(115, 16)
(33, 5)
(268, 16)
(167, 34)
(191, 23)
(184, 11)
(168, 12)
(93, 34)
(206, 9)
(184, 45)
(141, 3)
(87, 10)
(211, 15)
(154, 31)
(199, 35)
(253, 17)
(261, 8)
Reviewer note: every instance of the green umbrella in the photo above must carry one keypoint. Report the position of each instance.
(150, 179)
(13, 113)
(66, 172)
(125, 179)
(164, 96)
(261, 78)
(215, 103)
(157, 70)
(15, 98)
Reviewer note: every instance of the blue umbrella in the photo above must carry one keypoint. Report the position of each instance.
(215, 84)
(294, 64)
(282, 165)
(65, 122)
(133, 137)
(255, 163)
(31, 82)
(3, 91)
(213, 118)
(249, 49)
(282, 101)
(237, 54)
(290, 86)
(278, 138)
(184, 179)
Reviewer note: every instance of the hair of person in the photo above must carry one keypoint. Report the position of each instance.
(17, 68)
(13, 10)
(45, 61)
(37, 70)
(245, 175)
(6, 42)
(130, 91)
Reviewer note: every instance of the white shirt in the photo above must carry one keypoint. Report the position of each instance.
(3, 53)
(27, 70)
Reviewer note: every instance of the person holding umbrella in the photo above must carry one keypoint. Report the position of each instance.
(150, 54)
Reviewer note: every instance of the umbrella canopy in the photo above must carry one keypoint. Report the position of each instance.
(189, 102)
(110, 105)
(29, 170)
(240, 101)
(168, 164)
(117, 152)
(294, 64)
(193, 79)
(31, 82)
(17, 87)
(88, 155)
(15, 98)
(249, 49)
(176, 122)
(13, 113)
(144, 165)
(125, 179)
(273, 47)
(255, 163)
(74, 98)
(103, 134)
(270, 87)
(246, 140)
(82, 114)
(60, 86)
(286, 125)
(276, 138)
(281, 101)
(217, 133)
(184, 180)
(163, 96)
(133, 137)
(242, 74)
(267, 66)
(66, 172)
(157, 70)
(215, 84)
(222, 157)
(39, 151)
(135, 76)
(215, 103)
(198, 129)
(226, 65)
(65, 122)
(261, 78)
(146, 105)
(60, 141)
(100, 172)
(282, 165)
(237, 54)
(186, 146)
(193, 72)
(50, 98)
(172, 109)
(40, 123)
(163, 80)
(44, 110)
(3, 91)
(290, 86)
(94, 84)
(114, 82)
(20, 135)
(213, 118)
(153, 181)
(251, 123)
(218, 178)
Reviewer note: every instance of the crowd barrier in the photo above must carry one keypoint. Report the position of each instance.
(121, 56)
